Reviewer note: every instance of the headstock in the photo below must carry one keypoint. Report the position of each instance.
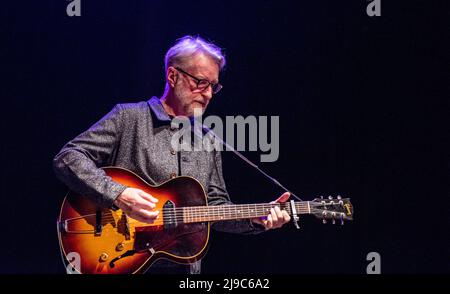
(339, 209)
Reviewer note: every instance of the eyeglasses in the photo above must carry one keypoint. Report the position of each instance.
(203, 84)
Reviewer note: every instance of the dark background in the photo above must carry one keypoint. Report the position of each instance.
(362, 101)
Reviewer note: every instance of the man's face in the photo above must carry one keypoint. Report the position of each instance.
(186, 92)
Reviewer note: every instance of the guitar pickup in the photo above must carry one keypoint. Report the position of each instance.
(169, 215)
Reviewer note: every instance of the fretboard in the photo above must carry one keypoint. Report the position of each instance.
(195, 214)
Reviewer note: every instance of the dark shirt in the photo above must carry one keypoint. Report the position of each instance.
(137, 136)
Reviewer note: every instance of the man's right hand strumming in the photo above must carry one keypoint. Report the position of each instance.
(138, 205)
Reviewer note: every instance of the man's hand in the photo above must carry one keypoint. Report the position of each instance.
(138, 205)
(277, 218)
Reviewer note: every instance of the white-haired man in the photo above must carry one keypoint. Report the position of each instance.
(137, 136)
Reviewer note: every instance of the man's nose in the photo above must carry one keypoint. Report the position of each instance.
(208, 92)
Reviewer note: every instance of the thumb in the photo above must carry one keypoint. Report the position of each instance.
(284, 197)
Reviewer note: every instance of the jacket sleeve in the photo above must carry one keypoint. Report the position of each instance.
(218, 195)
(79, 161)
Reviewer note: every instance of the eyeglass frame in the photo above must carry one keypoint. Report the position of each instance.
(198, 81)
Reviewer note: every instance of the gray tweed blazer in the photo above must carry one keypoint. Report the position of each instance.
(136, 136)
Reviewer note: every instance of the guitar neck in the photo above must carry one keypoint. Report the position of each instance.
(213, 213)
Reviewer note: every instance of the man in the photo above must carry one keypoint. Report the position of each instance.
(138, 137)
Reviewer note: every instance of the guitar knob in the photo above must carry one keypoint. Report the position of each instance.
(120, 247)
(104, 256)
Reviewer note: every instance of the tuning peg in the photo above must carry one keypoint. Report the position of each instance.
(330, 197)
(339, 197)
(333, 215)
(322, 201)
(342, 219)
(324, 221)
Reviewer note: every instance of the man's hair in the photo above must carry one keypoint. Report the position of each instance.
(188, 46)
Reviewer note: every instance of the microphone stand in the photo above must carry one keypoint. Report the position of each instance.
(241, 156)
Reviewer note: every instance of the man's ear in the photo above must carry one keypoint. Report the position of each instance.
(172, 76)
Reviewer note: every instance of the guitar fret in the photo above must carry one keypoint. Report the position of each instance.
(236, 211)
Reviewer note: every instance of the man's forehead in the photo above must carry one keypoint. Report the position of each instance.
(204, 65)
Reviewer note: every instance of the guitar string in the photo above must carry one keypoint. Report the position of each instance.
(188, 219)
(181, 218)
(157, 222)
(185, 216)
(202, 212)
(134, 223)
(193, 215)
(160, 223)
(283, 205)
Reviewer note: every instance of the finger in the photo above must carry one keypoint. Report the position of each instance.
(147, 196)
(286, 216)
(258, 221)
(269, 222)
(145, 204)
(126, 205)
(278, 212)
(274, 216)
(128, 202)
(148, 215)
